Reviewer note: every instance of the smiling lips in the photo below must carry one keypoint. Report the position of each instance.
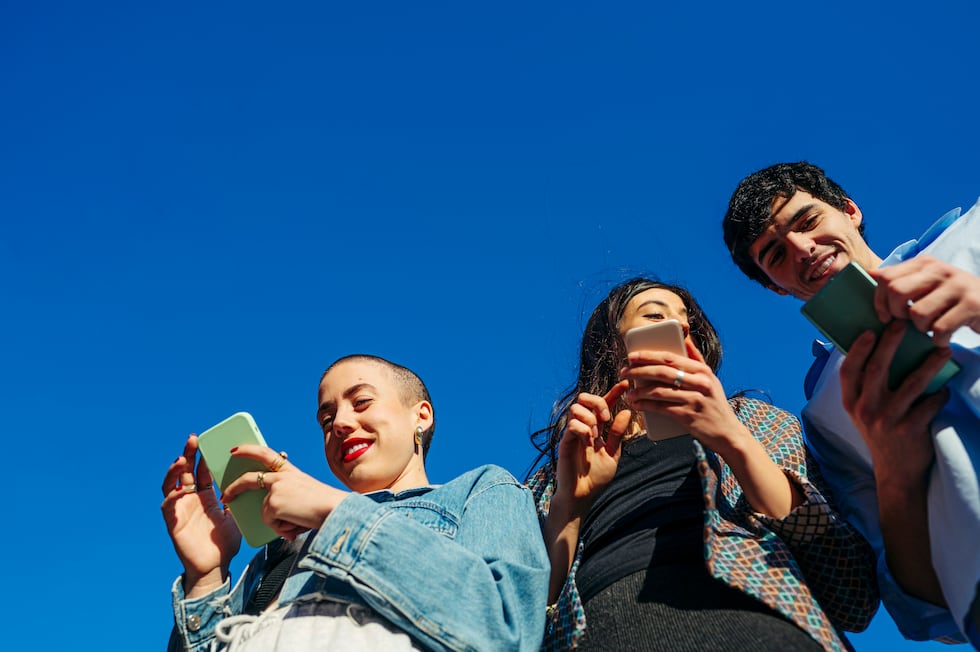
(821, 269)
(354, 448)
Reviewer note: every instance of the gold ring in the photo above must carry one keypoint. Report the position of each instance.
(261, 480)
(279, 462)
(679, 379)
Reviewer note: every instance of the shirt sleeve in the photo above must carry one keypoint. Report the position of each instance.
(851, 488)
(195, 619)
(837, 562)
(465, 585)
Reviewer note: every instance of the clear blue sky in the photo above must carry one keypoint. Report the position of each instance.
(203, 204)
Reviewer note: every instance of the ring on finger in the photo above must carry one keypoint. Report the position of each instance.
(679, 379)
(190, 488)
(279, 461)
(260, 480)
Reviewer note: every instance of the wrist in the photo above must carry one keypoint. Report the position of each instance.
(197, 584)
(567, 507)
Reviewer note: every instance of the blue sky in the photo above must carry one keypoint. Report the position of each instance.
(203, 204)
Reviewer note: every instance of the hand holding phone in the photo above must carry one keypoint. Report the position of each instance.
(668, 336)
(215, 445)
(844, 308)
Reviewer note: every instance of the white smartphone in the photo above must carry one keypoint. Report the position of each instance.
(215, 445)
(668, 336)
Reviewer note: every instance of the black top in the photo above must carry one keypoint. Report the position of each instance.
(651, 514)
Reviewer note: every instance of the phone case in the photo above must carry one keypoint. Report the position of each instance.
(844, 308)
(664, 335)
(215, 445)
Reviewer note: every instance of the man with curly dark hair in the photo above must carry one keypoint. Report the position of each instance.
(903, 466)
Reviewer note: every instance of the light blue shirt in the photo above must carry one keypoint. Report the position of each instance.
(459, 566)
(954, 497)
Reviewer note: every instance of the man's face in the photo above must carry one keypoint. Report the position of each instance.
(368, 432)
(808, 242)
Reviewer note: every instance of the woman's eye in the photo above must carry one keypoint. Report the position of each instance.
(657, 316)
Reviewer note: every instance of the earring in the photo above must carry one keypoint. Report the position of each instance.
(418, 436)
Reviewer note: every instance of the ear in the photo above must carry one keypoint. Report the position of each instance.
(423, 414)
(853, 212)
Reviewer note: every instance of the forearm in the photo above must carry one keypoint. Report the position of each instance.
(561, 532)
(765, 486)
(903, 516)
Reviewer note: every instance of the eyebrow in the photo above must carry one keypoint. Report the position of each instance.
(787, 227)
(350, 391)
(658, 303)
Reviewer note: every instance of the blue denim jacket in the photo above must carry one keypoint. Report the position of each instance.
(459, 566)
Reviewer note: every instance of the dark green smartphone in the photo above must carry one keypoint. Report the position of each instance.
(215, 445)
(844, 308)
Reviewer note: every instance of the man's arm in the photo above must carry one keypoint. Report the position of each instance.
(895, 427)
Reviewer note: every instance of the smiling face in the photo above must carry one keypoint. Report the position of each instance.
(369, 428)
(656, 304)
(808, 242)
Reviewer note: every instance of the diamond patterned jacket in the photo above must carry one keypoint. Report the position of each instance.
(810, 566)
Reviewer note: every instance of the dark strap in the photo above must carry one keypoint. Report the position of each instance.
(278, 563)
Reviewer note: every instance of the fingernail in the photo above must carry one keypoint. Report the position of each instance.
(234, 449)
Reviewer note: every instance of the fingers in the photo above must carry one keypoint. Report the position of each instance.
(180, 474)
(616, 432)
(864, 373)
(935, 296)
(269, 458)
(251, 481)
(852, 368)
(589, 412)
(204, 480)
(692, 351)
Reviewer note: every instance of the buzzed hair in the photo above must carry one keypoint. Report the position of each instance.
(411, 389)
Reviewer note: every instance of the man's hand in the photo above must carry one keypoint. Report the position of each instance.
(935, 296)
(895, 426)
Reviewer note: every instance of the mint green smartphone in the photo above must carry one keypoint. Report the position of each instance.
(215, 445)
(844, 308)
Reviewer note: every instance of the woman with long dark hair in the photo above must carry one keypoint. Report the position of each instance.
(719, 539)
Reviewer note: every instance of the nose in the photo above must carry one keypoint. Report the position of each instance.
(344, 421)
(801, 244)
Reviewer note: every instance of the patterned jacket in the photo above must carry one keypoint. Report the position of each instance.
(810, 566)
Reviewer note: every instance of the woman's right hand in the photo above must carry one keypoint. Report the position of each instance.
(203, 533)
(588, 453)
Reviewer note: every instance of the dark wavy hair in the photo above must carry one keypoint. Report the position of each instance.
(750, 207)
(603, 354)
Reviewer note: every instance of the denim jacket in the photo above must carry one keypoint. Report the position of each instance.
(459, 566)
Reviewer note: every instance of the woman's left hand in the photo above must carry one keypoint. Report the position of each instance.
(686, 389)
(296, 502)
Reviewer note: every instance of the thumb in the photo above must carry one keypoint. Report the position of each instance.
(692, 351)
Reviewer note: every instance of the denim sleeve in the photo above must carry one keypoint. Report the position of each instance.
(482, 587)
(836, 560)
(196, 618)
(853, 492)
